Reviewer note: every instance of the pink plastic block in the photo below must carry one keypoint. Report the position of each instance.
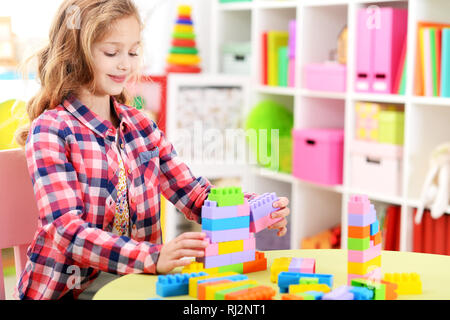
(243, 209)
(359, 204)
(374, 275)
(318, 155)
(364, 256)
(364, 48)
(250, 244)
(389, 37)
(228, 235)
(242, 256)
(308, 265)
(212, 249)
(328, 76)
(295, 265)
(376, 167)
(261, 224)
(359, 220)
(291, 77)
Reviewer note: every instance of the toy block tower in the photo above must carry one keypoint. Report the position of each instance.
(183, 56)
(364, 240)
(229, 221)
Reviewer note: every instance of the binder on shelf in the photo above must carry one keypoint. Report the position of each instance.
(428, 230)
(283, 66)
(364, 45)
(440, 226)
(275, 40)
(264, 59)
(417, 235)
(445, 65)
(389, 37)
(447, 238)
(400, 78)
(392, 228)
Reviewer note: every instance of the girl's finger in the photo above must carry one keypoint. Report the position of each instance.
(191, 235)
(281, 203)
(282, 232)
(192, 244)
(280, 213)
(279, 224)
(188, 253)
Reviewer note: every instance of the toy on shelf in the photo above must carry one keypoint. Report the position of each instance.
(183, 56)
(408, 283)
(364, 240)
(288, 264)
(328, 239)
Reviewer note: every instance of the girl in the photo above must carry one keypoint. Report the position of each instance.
(98, 166)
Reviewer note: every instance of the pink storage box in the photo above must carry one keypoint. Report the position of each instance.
(376, 167)
(328, 76)
(318, 155)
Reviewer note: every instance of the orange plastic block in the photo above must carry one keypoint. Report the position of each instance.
(359, 232)
(391, 290)
(201, 288)
(255, 293)
(259, 264)
(376, 238)
(288, 296)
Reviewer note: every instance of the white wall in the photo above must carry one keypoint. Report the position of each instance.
(32, 25)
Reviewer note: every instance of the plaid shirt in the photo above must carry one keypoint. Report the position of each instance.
(74, 173)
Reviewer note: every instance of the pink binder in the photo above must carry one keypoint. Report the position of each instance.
(389, 35)
(364, 40)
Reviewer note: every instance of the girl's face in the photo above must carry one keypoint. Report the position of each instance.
(116, 57)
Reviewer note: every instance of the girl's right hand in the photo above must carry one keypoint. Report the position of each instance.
(189, 244)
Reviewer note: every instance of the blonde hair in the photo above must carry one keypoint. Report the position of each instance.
(65, 65)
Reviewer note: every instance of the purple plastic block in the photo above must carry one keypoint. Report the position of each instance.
(362, 220)
(262, 206)
(341, 293)
(292, 39)
(210, 210)
(216, 261)
(295, 265)
(359, 204)
(228, 235)
(242, 256)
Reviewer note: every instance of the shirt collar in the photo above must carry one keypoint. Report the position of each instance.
(92, 120)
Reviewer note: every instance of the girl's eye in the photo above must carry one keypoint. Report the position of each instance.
(109, 54)
(134, 54)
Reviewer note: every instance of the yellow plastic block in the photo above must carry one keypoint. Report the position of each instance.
(184, 10)
(193, 267)
(363, 268)
(231, 246)
(408, 283)
(211, 290)
(299, 288)
(279, 265)
(183, 59)
(183, 28)
(193, 281)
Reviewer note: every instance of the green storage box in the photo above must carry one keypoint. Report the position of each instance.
(391, 127)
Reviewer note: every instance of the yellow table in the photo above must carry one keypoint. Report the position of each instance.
(434, 271)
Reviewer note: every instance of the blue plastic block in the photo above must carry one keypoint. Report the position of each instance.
(237, 277)
(285, 279)
(361, 293)
(374, 228)
(316, 294)
(175, 284)
(225, 224)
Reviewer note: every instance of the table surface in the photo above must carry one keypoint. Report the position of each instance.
(434, 271)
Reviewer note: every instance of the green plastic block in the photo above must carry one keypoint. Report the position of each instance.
(391, 127)
(220, 295)
(379, 289)
(183, 35)
(306, 296)
(283, 66)
(237, 267)
(227, 196)
(183, 50)
(306, 280)
(358, 244)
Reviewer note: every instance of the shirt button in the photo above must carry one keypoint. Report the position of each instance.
(132, 200)
(121, 145)
(129, 171)
(134, 227)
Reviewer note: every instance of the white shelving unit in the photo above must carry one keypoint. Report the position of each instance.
(314, 207)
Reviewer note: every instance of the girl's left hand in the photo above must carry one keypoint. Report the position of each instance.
(283, 212)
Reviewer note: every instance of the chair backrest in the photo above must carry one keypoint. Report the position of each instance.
(18, 210)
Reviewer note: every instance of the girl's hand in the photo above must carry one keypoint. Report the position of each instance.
(189, 244)
(283, 212)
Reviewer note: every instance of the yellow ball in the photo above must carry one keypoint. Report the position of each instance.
(13, 114)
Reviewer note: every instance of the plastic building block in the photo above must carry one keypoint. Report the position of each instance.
(260, 208)
(279, 265)
(358, 220)
(374, 274)
(210, 210)
(317, 295)
(288, 296)
(374, 228)
(391, 290)
(307, 280)
(225, 224)
(194, 281)
(249, 244)
(308, 265)
(341, 293)
(220, 295)
(363, 268)
(243, 256)
(295, 265)
(237, 267)
(359, 204)
(259, 264)
(285, 279)
(194, 266)
(212, 249)
(361, 293)
(376, 238)
(228, 235)
(408, 283)
(378, 289)
(364, 256)
(310, 295)
(231, 246)
(294, 288)
(255, 293)
(358, 244)
(227, 259)
(201, 289)
(212, 290)
(262, 223)
(228, 196)
(176, 284)
(359, 232)
(233, 278)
